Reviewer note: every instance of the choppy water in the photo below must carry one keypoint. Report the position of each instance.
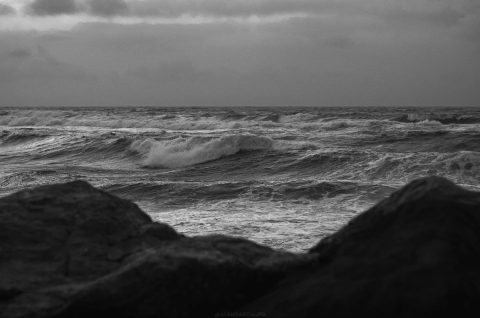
(284, 177)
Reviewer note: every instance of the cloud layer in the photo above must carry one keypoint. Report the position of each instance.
(6, 9)
(72, 7)
(263, 52)
(53, 7)
(175, 8)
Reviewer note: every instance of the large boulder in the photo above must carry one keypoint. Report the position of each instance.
(70, 250)
(415, 254)
(73, 251)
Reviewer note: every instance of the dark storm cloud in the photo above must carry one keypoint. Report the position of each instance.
(221, 8)
(470, 24)
(33, 76)
(71, 7)
(176, 71)
(439, 12)
(471, 28)
(107, 7)
(342, 52)
(6, 10)
(340, 42)
(52, 7)
(18, 53)
(402, 13)
(32, 63)
(176, 8)
(299, 62)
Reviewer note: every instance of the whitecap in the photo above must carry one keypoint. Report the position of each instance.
(183, 152)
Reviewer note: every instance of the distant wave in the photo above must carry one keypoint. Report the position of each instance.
(223, 120)
(169, 121)
(215, 120)
(186, 152)
(41, 118)
(435, 139)
(441, 118)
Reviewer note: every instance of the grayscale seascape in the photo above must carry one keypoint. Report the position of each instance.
(239, 158)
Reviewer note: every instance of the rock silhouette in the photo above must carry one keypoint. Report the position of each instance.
(415, 254)
(70, 250)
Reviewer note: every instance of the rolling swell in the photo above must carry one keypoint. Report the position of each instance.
(246, 156)
(50, 145)
(174, 194)
(8, 138)
(100, 148)
(441, 140)
(388, 167)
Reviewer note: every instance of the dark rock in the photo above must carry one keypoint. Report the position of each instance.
(160, 231)
(415, 254)
(63, 233)
(70, 250)
(73, 251)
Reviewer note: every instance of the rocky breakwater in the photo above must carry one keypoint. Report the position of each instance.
(415, 254)
(70, 250)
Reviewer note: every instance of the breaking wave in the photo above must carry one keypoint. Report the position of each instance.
(186, 152)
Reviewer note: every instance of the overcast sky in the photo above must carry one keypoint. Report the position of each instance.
(239, 52)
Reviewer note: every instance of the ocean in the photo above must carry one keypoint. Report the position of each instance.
(281, 176)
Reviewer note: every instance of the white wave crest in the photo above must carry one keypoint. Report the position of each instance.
(186, 152)
(430, 123)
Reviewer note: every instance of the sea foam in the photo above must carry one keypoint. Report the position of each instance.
(186, 152)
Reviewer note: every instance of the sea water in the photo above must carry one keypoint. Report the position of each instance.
(281, 176)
